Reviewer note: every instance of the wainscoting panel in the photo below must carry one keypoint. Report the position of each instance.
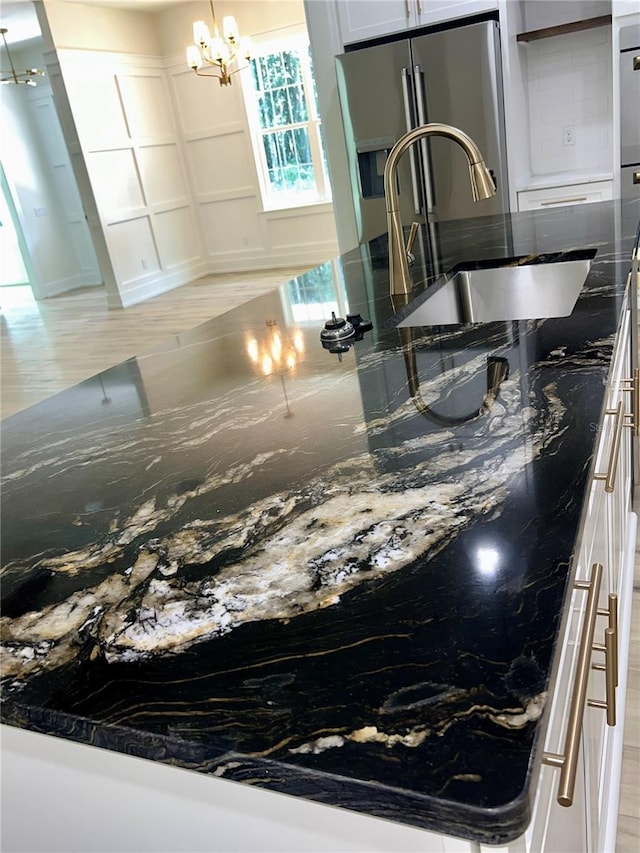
(201, 103)
(232, 226)
(220, 163)
(116, 183)
(162, 175)
(133, 250)
(177, 237)
(144, 97)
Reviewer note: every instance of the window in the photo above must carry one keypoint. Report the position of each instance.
(282, 108)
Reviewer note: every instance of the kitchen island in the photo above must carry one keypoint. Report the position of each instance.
(245, 555)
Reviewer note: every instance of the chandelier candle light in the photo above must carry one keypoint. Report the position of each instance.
(215, 54)
(275, 354)
(14, 76)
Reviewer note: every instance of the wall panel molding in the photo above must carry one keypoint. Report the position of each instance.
(137, 170)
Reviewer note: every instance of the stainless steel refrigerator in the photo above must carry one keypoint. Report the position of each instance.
(629, 111)
(452, 76)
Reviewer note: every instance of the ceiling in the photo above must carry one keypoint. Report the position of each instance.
(20, 19)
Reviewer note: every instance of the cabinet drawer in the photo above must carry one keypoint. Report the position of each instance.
(565, 195)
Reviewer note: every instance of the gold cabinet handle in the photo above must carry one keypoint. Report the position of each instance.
(553, 201)
(406, 8)
(612, 468)
(633, 387)
(610, 666)
(568, 761)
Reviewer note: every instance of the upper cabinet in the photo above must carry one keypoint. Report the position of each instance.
(541, 15)
(362, 19)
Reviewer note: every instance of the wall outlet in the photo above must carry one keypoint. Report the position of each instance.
(40, 211)
(568, 135)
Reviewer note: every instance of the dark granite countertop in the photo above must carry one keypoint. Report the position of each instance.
(303, 580)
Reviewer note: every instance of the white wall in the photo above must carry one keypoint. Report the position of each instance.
(570, 83)
(42, 185)
(124, 121)
(169, 154)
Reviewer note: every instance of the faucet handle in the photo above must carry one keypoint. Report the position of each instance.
(412, 239)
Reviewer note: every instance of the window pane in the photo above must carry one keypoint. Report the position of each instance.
(265, 110)
(298, 104)
(303, 148)
(270, 152)
(264, 71)
(292, 66)
(288, 155)
(281, 112)
(255, 75)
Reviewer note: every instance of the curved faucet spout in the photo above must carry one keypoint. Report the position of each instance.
(482, 186)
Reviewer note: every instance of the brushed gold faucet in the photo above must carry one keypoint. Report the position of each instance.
(482, 186)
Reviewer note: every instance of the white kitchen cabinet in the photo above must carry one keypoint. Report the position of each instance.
(364, 19)
(565, 195)
(609, 532)
(360, 19)
(602, 743)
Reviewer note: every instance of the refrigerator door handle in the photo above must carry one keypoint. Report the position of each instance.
(408, 115)
(424, 143)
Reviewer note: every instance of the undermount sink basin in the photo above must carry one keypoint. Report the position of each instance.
(526, 288)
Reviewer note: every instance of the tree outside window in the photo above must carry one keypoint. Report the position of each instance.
(282, 106)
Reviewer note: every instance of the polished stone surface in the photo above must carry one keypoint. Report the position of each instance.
(315, 580)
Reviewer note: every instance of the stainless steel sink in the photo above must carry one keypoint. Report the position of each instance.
(525, 288)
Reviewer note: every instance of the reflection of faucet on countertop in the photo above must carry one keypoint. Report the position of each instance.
(482, 187)
(497, 373)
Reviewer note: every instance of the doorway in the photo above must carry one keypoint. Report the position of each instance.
(14, 255)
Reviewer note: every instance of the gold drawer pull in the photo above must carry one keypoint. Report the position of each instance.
(610, 666)
(568, 761)
(633, 387)
(614, 455)
(553, 201)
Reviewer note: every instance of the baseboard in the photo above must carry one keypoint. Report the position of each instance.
(154, 284)
(47, 289)
(231, 262)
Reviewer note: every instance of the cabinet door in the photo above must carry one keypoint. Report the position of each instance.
(435, 11)
(363, 19)
(565, 195)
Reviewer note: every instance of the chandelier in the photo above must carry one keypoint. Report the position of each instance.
(14, 76)
(215, 54)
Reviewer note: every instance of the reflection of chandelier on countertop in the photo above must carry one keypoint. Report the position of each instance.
(215, 54)
(14, 76)
(275, 354)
